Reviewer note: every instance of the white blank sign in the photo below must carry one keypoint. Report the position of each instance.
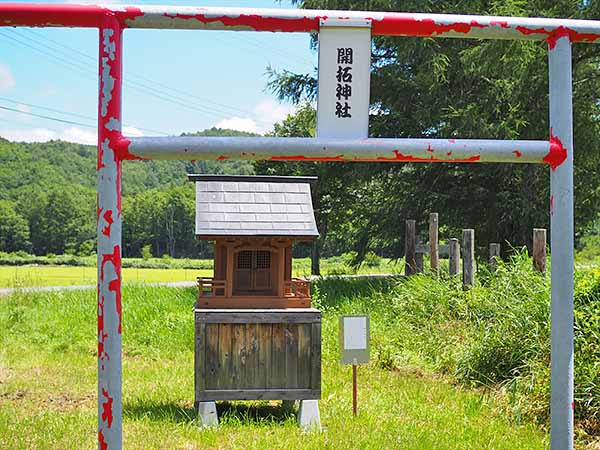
(355, 333)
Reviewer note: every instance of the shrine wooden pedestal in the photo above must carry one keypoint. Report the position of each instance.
(257, 354)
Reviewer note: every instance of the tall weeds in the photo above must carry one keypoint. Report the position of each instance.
(495, 336)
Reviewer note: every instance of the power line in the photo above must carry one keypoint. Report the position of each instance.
(27, 125)
(65, 113)
(47, 108)
(41, 116)
(146, 88)
(56, 119)
(143, 88)
(147, 79)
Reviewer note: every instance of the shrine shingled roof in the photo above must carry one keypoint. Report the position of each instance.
(240, 205)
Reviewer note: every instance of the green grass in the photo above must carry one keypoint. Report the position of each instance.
(27, 276)
(494, 337)
(48, 382)
(65, 275)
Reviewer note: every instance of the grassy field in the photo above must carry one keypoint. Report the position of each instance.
(27, 276)
(48, 382)
(64, 275)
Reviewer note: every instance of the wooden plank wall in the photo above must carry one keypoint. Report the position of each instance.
(251, 360)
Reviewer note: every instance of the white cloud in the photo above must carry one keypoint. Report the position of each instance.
(264, 115)
(78, 135)
(132, 131)
(239, 123)
(7, 81)
(268, 112)
(73, 134)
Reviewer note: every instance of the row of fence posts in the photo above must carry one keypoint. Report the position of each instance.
(415, 250)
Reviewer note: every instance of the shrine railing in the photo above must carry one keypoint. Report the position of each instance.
(208, 286)
(297, 287)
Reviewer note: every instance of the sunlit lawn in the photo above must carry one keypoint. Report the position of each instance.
(26, 276)
(48, 388)
(42, 275)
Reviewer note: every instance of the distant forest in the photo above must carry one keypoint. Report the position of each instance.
(48, 200)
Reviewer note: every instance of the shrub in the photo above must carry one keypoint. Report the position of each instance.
(496, 335)
(146, 252)
(372, 260)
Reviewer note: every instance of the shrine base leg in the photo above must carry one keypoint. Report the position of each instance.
(207, 414)
(309, 418)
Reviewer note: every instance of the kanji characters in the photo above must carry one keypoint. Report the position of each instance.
(343, 89)
(344, 55)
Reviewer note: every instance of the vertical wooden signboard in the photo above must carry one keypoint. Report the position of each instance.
(344, 78)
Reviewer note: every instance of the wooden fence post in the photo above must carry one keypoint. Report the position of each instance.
(494, 256)
(419, 262)
(410, 248)
(468, 252)
(434, 255)
(454, 251)
(539, 249)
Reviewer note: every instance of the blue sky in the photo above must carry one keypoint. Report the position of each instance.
(175, 81)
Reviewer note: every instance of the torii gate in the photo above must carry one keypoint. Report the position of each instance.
(331, 145)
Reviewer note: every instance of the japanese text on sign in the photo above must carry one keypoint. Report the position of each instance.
(343, 90)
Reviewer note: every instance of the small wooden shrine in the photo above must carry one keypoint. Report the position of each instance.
(257, 336)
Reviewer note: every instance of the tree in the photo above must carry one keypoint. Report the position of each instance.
(52, 185)
(163, 219)
(331, 187)
(449, 88)
(63, 221)
(14, 229)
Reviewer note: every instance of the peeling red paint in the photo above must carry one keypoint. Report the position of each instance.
(131, 13)
(102, 354)
(399, 157)
(61, 15)
(35, 15)
(339, 158)
(557, 154)
(222, 158)
(429, 148)
(452, 141)
(109, 221)
(500, 23)
(256, 22)
(392, 24)
(517, 153)
(115, 284)
(123, 152)
(554, 34)
(408, 25)
(101, 441)
(107, 414)
(449, 153)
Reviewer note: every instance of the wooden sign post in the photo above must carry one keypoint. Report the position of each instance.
(354, 347)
